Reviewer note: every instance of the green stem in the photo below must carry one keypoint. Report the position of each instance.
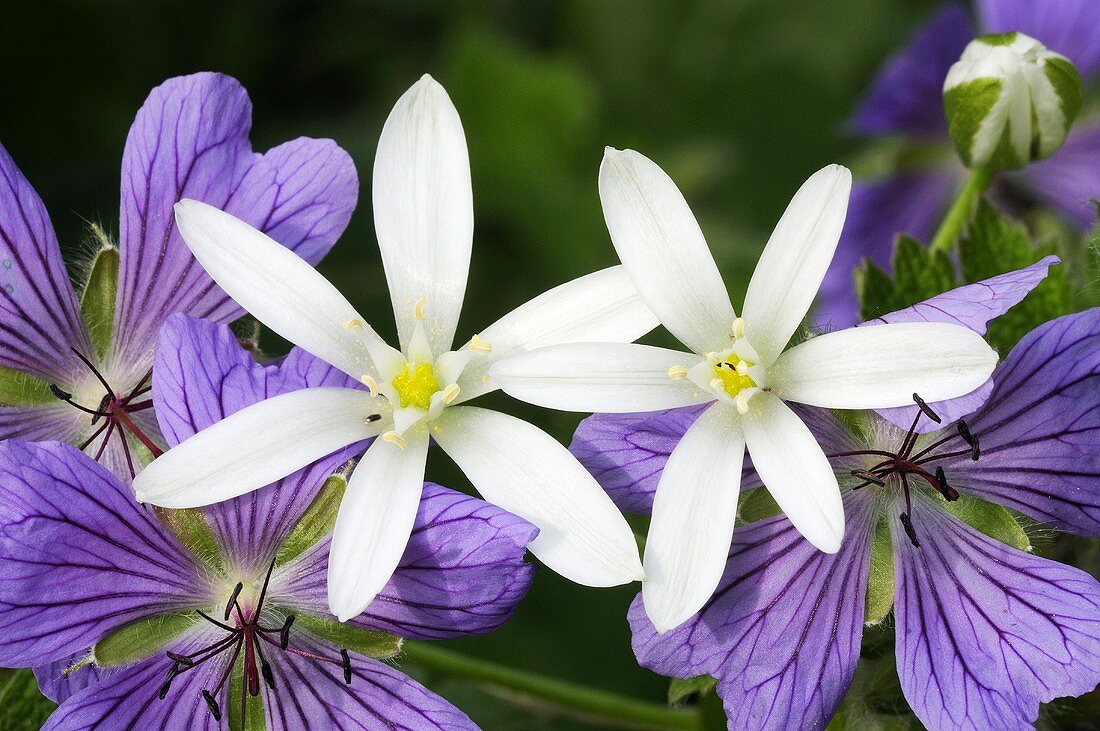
(577, 700)
(959, 213)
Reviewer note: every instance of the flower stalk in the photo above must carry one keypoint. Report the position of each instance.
(959, 213)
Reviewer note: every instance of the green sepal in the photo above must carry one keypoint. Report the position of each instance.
(97, 299)
(993, 244)
(993, 520)
(757, 504)
(681, 690)
(316, 522)
(966, 106)
(919, 273)
(1066, 80)
(141, 639)
(254, 716)
(368, 642)
(22, 705)
(880, 575)
(22, 389)
(190, 526)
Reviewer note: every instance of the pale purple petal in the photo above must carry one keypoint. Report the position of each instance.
(1040, 429)
(782, 633)
(462, 572)
(314, 695)
(39, 317)
(985, 633)
(58, 686)
(57, 421)
(626, 453)
(78, 556)
(972, 306)
(190, 140)
(202, 375)
(1070, 27)
(1069, 180)
(910, 203)
(907, 95)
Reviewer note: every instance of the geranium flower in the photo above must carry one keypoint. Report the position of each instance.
(424, 217)
(740, 367)
(985, 631)
(196, 616)
(906, 100)
(75, 366)
(1035, 433)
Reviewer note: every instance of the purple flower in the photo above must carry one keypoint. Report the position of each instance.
(75, 366)
(985, 631)
(195, 615)
(906, 99)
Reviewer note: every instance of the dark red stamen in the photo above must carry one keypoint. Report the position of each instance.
(902, 463)
(241, 635)
(114, 410)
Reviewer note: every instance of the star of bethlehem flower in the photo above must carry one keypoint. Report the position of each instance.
(75, 365)
(739, 366)
(424, 220)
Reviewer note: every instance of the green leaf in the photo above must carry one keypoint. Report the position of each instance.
(993, 245)
(22, 389)
(993, 520)
(254, 705)
(880, 577)
(97, 300)
(190, 526)
(681, 690)
(316, 522)
(918, 274)
(22, 706)
(141, 639)
(369, 642)
(757, 504)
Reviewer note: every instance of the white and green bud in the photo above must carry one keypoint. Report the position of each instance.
(1010, 101)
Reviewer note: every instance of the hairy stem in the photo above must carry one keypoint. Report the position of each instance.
(959, 213)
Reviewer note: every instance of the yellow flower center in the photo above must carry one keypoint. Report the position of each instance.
(415, 387)
(731, 376)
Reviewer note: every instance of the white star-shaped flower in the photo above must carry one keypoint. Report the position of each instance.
(424, 219)
(741, 367)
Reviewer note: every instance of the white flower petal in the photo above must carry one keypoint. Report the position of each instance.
(374, 522)
(659, 242)
(795, 471)
(280, 289)
(795, 260)
(694, 510)
(600, 307)
(424, 211)
(257, 446)
(877, 366)
(517, 466)
(605, 377)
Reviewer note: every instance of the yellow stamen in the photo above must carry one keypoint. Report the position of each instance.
(416, 386)
(733, 377)
(677, 373)
(394, 438)
(480, 346)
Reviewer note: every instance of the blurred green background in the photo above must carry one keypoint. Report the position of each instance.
(739, 100)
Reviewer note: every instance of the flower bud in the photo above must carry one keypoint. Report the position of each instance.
(1010, 101)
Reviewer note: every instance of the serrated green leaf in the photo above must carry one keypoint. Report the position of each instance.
(993, 245)
(22, 389)
(97, 300)
(22, 706)
(368, 642)
(918, 274)
(141, 639)
(993, 520)
(880, 576)
(316, 522)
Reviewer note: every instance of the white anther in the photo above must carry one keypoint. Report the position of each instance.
(714, 358)
(418, 308)
(370, 383)
(716, 384)
(742, 368)
(353, 323)
(677, 373)
(394, 438)
(450, 393)
(739, 328)
(480, 346)
(742, 403)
